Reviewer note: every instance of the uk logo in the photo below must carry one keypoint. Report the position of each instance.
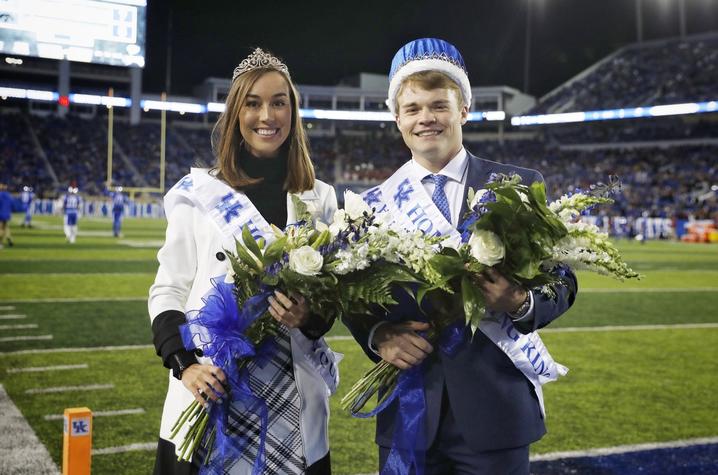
(228, 207)
(402, 194)
(81, 427)
(185, 183)
(372, 196)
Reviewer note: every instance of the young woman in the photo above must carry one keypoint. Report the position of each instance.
(261, 158)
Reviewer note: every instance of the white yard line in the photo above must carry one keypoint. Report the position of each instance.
(5, 308)
(26, 326)
(12, 317)
(625, 328)
(39, 369)
(67, 389)
(20, 449)
(25, 338)
(648, 290)
(622, 449)
(72, 300)
(78, 274)
(338, 338)
(119, 412)
(80, 349)
(146, 446)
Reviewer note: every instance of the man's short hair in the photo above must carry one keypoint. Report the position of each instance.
(429, 80)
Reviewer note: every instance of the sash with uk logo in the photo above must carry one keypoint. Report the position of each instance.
(410, 208)
(230, 211)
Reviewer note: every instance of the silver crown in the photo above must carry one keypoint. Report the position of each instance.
(259, 59)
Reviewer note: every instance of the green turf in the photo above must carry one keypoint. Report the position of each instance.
(624, 387)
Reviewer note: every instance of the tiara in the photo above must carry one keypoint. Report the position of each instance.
(259, 59)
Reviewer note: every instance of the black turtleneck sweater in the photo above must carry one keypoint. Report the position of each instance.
(268, 196)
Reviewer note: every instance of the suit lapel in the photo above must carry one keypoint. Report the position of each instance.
(476, 177)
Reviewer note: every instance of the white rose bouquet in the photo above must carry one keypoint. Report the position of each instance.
(510, 227)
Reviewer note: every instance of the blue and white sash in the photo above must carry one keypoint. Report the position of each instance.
(411, 207)
(230, 211)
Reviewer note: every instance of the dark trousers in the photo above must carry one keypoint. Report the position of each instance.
(166, 463)
(450, 455)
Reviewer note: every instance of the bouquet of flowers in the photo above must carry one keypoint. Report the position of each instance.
(540, 239)
(347, 264)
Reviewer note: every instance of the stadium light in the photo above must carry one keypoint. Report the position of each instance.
(96, 100)
(613, 114)
(173, 106)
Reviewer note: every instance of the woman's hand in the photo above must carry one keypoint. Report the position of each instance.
(204, 381)
(292, 312)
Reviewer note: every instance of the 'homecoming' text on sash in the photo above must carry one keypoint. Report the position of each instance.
(412, 208)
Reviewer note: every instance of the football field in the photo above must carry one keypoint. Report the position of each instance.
(74, 331)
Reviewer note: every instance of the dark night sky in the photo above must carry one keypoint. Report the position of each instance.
(324, 41)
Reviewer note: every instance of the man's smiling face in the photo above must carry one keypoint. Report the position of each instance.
(430, 122)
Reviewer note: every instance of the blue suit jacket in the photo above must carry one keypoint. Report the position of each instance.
(494, 405)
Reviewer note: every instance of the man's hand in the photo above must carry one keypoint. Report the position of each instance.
(500, 294)
(204, 381)
(400, 345)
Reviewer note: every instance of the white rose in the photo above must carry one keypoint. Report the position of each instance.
(305, 260)
(486, 247)
(355, 205)
(477, 197)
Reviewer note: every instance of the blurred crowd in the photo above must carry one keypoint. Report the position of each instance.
(665, 72)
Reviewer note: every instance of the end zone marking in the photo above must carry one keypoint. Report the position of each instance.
(26, 338)
(119, 412)
(38, 369)
(621, 449)
(67, 389)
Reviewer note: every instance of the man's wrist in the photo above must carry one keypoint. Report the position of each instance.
(524, 308)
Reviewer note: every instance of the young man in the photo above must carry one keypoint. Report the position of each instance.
(483, 407)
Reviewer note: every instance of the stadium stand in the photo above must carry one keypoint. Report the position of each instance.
(658, 72)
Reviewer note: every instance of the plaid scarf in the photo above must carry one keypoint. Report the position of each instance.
(275, 384)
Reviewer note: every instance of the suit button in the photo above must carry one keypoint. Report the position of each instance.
(220, 256)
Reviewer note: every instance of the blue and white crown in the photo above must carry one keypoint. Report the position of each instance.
(427, 54)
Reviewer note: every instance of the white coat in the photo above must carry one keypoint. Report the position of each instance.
(188, 260)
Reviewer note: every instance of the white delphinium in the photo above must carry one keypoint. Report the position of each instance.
(352, 258)
(587, 248)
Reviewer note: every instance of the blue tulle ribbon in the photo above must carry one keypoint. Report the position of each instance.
(408, 444)
(218, 330)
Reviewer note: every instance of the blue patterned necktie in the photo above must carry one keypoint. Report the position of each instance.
(439, 197)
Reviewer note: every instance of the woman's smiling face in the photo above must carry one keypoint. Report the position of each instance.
(265, 118)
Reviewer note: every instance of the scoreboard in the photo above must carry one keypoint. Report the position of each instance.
(90, 31)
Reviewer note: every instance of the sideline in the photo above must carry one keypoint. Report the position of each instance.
(20, 449)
